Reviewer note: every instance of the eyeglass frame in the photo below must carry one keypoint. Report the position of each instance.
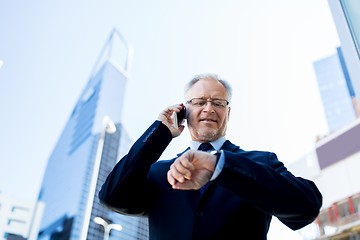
(211, 101)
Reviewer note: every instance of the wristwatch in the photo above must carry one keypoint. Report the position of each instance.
(216, 153)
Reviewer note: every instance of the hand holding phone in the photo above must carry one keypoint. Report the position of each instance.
(179, 117)
(173, 117)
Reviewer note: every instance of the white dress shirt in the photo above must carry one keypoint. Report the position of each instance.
(217, 144)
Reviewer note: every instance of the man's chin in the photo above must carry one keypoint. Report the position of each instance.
(208, 136)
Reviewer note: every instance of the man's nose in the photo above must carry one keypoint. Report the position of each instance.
(209, 106)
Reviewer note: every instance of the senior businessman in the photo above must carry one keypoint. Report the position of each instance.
(213, 189)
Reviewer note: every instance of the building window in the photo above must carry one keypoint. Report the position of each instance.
(16, 208)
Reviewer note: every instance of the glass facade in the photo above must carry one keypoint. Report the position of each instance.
(67, 180)
(351, 10)
(346, 15)
(336, 91)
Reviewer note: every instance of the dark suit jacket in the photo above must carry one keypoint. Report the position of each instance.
(238, 204)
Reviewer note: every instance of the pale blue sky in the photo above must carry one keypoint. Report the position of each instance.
(265, 49)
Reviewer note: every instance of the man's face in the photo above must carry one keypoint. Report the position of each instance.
(207, 123)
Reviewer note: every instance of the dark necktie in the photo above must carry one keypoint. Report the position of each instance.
(205, 147)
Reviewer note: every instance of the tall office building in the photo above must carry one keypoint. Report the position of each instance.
(89, 146)
(347, 21)
(336, 90)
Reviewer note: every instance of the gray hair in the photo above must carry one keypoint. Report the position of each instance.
(211, 76)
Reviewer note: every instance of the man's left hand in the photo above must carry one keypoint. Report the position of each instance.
(192, 170)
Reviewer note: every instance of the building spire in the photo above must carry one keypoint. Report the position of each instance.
(116, 50)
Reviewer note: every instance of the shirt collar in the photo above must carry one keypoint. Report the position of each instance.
(217, 144)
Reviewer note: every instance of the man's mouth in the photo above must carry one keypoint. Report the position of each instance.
(208, 120)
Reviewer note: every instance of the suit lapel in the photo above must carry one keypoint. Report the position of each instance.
(227, 146)
(179, 154)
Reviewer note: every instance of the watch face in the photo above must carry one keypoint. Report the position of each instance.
(216, 153)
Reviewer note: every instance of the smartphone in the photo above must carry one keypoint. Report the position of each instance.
(179, 117)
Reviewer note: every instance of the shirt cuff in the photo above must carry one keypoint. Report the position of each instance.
(219, 166)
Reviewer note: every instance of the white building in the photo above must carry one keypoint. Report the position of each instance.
(19, 219)
(334, 166)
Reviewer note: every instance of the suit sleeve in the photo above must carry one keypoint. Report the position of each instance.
(264, 182)
(126, 189)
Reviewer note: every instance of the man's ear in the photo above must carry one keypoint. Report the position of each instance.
(229, 112)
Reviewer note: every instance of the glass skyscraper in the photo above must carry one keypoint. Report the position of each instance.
(336, 91)
(89, 146)
(351, 10)
(347, 21)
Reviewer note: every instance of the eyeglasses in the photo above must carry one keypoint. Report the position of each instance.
(201, 102)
